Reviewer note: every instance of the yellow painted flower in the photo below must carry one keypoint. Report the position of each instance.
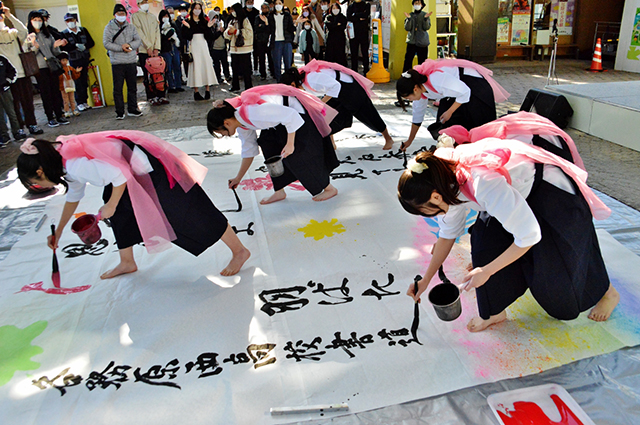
(318, 231)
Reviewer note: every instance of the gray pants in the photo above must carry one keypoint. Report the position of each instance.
(125, 73)
(6, 107)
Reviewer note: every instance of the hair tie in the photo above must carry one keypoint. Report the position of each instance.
(445, 141)
(218, 103)
(406, 74)
(28, 148)
(416, 167)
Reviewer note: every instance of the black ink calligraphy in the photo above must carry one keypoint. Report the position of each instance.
(356, 175)
(79, 249)
(248, 229)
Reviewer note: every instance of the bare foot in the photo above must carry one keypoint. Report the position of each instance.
(328, 193)
(122, 268)
(388, 144)
(478, 324)
(236, 263)
(605, 306)
(277, 196)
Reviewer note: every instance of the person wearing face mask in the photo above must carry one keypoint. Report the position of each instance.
(41, 42)
(21, 88)
(183, 13)
(252, 13)
(308, 17)
(336, 47)
(197, 29)
(315, 7)
(121, 40)
(325, 6)
(359, 13)
(240, 51)
(282, 33)
(169, 49)
(261, 41)
(416, 24)
(218, 47)
(309, 46)
(55, 33)
(79, 42)
(147, 25)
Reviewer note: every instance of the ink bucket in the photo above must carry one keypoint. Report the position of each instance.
(445, 298)
(87, 229)
(275, 166)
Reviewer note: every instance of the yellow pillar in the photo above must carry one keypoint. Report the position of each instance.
(94, 16)
(398, 42)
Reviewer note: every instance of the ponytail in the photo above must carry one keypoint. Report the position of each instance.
(406, 83)
(415, 188)
(292, 75)
(217, 115)
(48, 159)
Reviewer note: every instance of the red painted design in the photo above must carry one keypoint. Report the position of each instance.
(266, 183)
(56, 291)
(529, 413)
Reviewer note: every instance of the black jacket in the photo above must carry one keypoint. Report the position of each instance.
(289, 29)
(252, 15)
(73, 39)
(261, 31)
(359, 13)
(200, 27)
(335, 27)
(8, 74)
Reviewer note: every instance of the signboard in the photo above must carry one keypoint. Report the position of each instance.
(564, 12)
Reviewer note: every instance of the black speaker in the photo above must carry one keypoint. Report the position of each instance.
(549, 105)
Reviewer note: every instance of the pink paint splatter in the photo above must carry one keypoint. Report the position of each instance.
(266, 183)
(56, 291)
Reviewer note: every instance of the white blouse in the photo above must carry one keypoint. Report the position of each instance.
(81, 171)
(323, 82)
(447, 84)
(506, 202)
(268, 115)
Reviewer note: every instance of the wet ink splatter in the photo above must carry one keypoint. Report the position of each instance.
(215, 154)
(16, 349)
(318, 231)
(260, 183)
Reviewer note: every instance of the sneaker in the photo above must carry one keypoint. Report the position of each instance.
(179, 89)
(134, 113)
(173, 91)
(63, 121)
(20, 135)
(86, 106)
(163, 101)
(207, 95)
(197, 96)
(119, 116)
(4, 144)
(67, 114)
(34, 129)
(154, 102)
(76, 112)
(53, 123)
(81, 107)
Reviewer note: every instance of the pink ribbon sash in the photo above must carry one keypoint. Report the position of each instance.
(316, 65)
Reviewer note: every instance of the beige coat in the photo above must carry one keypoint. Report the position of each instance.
(247, 33)
(149, 31)
(9, 39)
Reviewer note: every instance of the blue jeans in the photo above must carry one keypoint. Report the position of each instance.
(174, 74)
(282, 50)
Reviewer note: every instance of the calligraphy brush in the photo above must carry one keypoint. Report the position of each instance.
(404, 153)
(55, 273)
(416, 312)
(237, 200)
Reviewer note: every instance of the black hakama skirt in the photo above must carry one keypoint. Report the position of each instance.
(354, 101)
(312, 161)
(564, 271)
(197, 223)
(479, 110)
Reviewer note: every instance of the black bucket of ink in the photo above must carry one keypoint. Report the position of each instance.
(445, 298)
(275, 166)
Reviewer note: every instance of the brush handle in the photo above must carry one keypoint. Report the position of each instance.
(54, 261)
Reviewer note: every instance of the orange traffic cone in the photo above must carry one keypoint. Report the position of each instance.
(596, 62)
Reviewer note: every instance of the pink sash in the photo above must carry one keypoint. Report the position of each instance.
(519, 123)
(316, 65)
(155, 229)
(500, 153)
(321, 113)
(430, 66)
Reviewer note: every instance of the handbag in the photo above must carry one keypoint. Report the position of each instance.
(239, 38)
(55, 66)
(29, 62)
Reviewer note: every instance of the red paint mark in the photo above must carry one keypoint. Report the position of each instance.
(529, 413)
(266, 183)
(56, 291)
(55, 278)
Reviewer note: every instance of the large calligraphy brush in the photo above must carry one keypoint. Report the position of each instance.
(416, 312)
(55, 273)
(404, 153)
(237, 200)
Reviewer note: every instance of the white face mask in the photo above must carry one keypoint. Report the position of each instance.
(183, 14)
(120, 18)
(165, 20)
(279, 7)
(144, 7)
(313, 1)
(36, 24)
(307, 27)
(249, 6)
(305, 14)
(324, 7)
(197, 12)
(71, 25)
(417, 7)
(335, 11)
(233, 13)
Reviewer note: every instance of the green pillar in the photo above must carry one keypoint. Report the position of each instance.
(397, 44)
